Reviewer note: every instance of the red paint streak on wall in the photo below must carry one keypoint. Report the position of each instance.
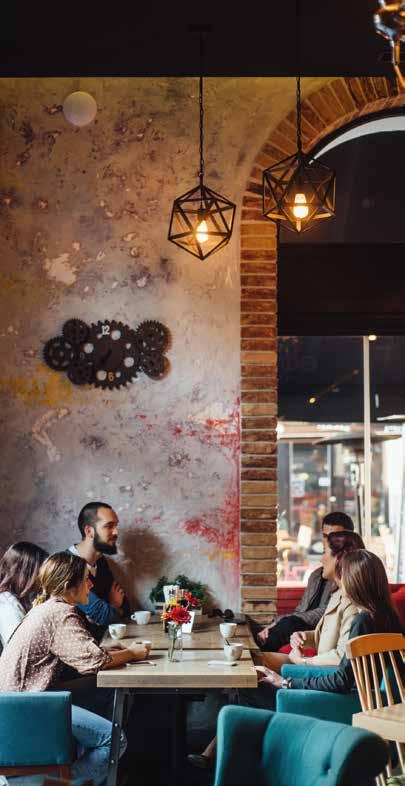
(220, 528)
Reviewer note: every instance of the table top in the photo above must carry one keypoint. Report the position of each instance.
(388, 722)
(192, 671)
(206, 635)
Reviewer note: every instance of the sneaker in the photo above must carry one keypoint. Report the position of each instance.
(200, 761)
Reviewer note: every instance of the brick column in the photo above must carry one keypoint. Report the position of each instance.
(259, 408)
(328, 109)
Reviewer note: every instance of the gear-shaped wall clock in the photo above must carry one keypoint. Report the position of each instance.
(109, 354)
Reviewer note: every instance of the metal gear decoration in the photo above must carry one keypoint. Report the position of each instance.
(81, 372)
(75, 331)
(59, 353)
(153, 336)
(155, 365)
(109, 354)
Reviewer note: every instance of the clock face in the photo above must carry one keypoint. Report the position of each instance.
(108, 354)
(114, 351)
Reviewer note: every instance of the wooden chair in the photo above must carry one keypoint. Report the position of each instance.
(369, 656)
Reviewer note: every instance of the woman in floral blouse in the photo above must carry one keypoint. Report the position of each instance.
(51, 636)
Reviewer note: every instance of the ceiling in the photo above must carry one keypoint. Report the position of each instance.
(153, 39)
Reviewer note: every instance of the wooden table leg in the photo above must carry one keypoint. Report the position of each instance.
(119, 699)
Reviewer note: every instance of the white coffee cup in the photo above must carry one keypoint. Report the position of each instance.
(228, 629)
(141, 617)
(233, 651)
(117, 631)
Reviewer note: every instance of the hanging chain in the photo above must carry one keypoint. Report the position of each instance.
(298, 69)
(201, 173)
(298, 104)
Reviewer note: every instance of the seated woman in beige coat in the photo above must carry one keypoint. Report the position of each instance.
(330, 635)
(332, 632)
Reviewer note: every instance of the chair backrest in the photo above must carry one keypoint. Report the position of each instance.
(280, 749)
(43, 721)
(376, 676)
(362, 652)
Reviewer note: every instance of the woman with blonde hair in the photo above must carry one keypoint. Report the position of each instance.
(53, 635)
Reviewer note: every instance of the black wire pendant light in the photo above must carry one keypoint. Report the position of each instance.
(299, 190)
(201, 220)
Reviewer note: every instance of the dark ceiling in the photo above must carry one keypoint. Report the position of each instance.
(153, 39)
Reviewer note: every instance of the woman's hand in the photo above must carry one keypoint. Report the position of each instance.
(270, 677)
(295, 656)
(298, 639)
(262, 636)
(139, 650)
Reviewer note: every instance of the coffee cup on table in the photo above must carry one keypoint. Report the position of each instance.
(233, 651)
(228, 629)
(117, 631)
(141, 617)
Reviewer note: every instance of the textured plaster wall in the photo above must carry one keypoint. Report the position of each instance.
(83, 227)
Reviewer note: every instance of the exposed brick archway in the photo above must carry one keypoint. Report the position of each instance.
(335, 105)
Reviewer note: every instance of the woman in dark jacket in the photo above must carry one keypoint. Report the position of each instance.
(365, 582)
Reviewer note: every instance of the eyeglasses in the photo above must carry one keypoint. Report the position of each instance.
(226, 615)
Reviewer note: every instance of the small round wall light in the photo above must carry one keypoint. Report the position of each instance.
(79, 108)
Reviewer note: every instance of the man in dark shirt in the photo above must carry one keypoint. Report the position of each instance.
(98, 525)
(314, 601)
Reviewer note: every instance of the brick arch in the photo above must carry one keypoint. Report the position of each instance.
(335, 105)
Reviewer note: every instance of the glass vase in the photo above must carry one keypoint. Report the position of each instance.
(175, 648)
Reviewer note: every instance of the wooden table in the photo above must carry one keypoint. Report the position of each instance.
(192, 674)
(388, 722)
(206, 635)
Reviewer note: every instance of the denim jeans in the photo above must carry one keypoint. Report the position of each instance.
(92, 735)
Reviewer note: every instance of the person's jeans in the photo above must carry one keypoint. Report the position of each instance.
(92, 735)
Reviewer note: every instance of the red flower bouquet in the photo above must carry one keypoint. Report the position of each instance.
(176, 614)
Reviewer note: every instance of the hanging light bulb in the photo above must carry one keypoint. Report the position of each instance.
(300, 208)
(202, 220)
(202, 231)
(299, 190)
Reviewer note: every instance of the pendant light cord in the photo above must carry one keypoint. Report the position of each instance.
(298, 69)
(298, 104)
(201, 100)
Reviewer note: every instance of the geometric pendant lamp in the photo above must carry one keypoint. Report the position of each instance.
(202, 220)
(298, 191)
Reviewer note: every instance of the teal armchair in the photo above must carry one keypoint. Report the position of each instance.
(267, 748)
(36, 733)
(326, 706)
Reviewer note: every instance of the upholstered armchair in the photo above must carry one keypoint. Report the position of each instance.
(279, 749)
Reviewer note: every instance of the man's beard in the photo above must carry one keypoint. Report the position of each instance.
(102, 547)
